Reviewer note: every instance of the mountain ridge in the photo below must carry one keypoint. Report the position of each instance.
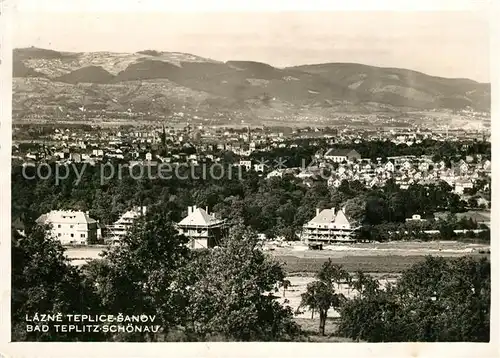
(254, 85)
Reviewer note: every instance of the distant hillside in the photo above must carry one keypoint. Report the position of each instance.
(40, 53)
(173, 78)
(89, 74)
(401, 87)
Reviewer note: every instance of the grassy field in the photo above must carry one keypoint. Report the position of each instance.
(373, 264)
(390, 257)
(351, 263)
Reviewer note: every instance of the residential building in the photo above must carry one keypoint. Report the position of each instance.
(415, 217)
(71, 227)
(329, 226)
(97, 152)
(203, 229)
(335, 182)
(342, 155)
(118, 230)
(462, 184)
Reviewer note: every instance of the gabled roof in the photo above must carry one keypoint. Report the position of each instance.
(65, 216)
(341, 219)
(42, 219)
(199, 217)
(326, 216)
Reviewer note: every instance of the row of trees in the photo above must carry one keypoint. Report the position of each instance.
(276, 207)
(222, 294)
(228, 293)
(446, 151)
(437, 300)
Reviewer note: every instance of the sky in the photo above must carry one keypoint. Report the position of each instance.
(441, 43)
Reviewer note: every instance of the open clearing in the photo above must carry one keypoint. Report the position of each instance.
(389, 257)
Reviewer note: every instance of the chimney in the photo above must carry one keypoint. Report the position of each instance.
(317, 211)
(144, 208)
(193, 208)
(206, 209)
(190, 210)
(343, 209)
(333, 212)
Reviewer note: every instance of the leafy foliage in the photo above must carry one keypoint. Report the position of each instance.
(320, 295)
(141, 272)
(44, 282)
(220, 294)
(436, 300)
(232, 294)
(275, 207)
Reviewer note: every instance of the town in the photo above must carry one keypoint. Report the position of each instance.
(326, 155)
(243, 176)
(309, 197)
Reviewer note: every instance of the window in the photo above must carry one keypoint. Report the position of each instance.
(72, 235)
(71, 226)
(59, 226)
(59, 234)
(82, 235)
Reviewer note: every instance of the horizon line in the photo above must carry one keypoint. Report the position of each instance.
(255, 61)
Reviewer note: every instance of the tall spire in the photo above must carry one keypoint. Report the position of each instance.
(163, 135)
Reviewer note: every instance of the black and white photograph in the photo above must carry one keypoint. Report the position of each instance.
(280, 176)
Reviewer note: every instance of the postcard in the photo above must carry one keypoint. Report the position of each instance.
(183, 180)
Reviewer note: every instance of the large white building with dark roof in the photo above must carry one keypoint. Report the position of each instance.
(328, 226)
(203, 229)
(342, 155)
(71, 227)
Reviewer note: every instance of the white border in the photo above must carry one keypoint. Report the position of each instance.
(230, 349)
(240, 5)
(5, 158)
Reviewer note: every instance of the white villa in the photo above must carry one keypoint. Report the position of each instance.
(203, 229)
(329, 226)
(71, 227)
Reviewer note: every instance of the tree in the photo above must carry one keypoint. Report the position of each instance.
(333, 273)
(436, 300)
(43, 281)
(285, 284)
(451, 297)
(446, 229)
(355, 208)
(231, 296)
(320, 294)
(364, 284)
(366, 318)
(142, 271)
